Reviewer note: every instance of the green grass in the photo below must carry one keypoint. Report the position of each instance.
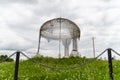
(28, 70)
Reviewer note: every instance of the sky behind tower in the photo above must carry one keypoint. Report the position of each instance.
(20, 21)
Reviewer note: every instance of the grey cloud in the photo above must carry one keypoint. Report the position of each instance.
(93, 20)
(5, 2)
(107, 1)
(47, 9)
(15, 46)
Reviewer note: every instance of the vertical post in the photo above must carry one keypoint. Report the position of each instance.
(75, 44)
(60, 37)
(39, 42)
(16, 65)
(93, 46)
(110, 64)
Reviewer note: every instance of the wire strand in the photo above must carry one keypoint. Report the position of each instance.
(115, 52)
(8, 57)
(63, 68)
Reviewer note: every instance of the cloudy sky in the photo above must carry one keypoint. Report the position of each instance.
(20, 21)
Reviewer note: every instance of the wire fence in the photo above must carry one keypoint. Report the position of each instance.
(8, 57)
(116, 52)
(63, 68)
(53, 67)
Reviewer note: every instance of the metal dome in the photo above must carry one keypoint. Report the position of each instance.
(59, 28)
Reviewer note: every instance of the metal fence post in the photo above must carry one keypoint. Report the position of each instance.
(110, 64)
(16, 65)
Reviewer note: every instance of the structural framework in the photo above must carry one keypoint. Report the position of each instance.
(62, 30)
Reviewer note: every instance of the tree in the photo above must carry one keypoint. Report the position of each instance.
(4, 58)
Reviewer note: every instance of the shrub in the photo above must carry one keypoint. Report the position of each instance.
(4, 58)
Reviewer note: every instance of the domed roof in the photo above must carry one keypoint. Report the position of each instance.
(59, 28)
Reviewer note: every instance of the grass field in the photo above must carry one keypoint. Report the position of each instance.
(28, 70)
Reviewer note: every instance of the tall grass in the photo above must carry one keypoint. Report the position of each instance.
(28, 70)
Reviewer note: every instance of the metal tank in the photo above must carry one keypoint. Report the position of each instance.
(62, 30)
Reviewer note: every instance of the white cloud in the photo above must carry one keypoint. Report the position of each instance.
(20, 22)
(9, 40)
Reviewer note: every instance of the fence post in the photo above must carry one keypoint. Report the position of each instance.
(110, 64)
(16, 65)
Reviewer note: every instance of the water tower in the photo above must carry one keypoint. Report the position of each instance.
(62, 30)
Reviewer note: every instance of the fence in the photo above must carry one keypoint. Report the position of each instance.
(109, 51)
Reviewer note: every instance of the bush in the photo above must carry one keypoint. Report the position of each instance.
(4, 58)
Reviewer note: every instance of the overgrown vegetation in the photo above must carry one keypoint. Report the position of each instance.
(30, 70)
